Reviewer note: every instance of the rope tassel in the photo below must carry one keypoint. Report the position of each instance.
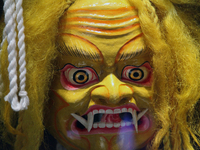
(14, 13)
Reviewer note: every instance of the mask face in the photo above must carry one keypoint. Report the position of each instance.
(100, 97)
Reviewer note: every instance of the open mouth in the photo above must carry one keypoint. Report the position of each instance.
(103, 120)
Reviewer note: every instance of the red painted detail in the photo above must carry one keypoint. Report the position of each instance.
(147, 81)
(111, 118)
(67, 80)
(109, 142)
(55, 123)
(144, 125)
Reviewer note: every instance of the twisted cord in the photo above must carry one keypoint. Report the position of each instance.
(1, 79)
(3, 41)
(24, 100)
(4, 30)
(151, 10)
(10, 25)
(13, 10)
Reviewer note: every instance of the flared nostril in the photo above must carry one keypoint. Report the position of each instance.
(126, 99)
(122, 94)
(125, 92)
(100, 95)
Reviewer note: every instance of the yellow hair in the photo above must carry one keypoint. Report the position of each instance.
(176, 64)
(170, 33)
(41, 19)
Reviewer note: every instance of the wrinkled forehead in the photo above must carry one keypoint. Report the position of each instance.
(102, 18)
(110, 25)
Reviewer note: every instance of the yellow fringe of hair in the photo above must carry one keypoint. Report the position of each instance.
(176, 71)
(41, 19)
(176, 62)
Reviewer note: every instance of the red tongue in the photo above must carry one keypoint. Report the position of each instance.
(111, 118)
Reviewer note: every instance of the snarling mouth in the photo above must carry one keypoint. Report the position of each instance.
(103, 119)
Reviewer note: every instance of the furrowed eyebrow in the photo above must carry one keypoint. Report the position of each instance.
(79, 52)
(127, 51)
(127, 56)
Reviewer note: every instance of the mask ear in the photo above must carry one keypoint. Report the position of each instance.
(14, 19)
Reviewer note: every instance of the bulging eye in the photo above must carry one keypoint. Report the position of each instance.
(80, 77)
(73, 78)
(138, 74)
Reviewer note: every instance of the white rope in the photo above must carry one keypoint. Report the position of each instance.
(11, 10)
(24, 100)
(10, 25)
(3, 41)
(1, 80)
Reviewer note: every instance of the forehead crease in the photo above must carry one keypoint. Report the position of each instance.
(105, 33)
(100, 21)
(101, 11)
(104, 25)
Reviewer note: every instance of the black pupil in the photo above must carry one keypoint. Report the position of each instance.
(136, 74)
(81, 77)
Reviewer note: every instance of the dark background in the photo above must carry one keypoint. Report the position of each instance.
(1, 7)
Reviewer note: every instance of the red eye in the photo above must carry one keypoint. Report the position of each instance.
(73, 78)
(138, 74)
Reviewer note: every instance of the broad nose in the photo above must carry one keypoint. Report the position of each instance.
(112, 91)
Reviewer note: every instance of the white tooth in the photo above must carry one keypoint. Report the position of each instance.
(117, 111)
(95, 125)
(80, 119)
(142, 114)
(123, 124)
(130, 110)
(90, 121)
(128, 123)
(109, 125)
(124, 109)
(109, 111)
(101, 111)
(102, 125)
(117, 125)
(135, 120)
(95, 112)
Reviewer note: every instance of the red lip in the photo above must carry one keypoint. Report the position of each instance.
(112, 121)
(98, 107)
